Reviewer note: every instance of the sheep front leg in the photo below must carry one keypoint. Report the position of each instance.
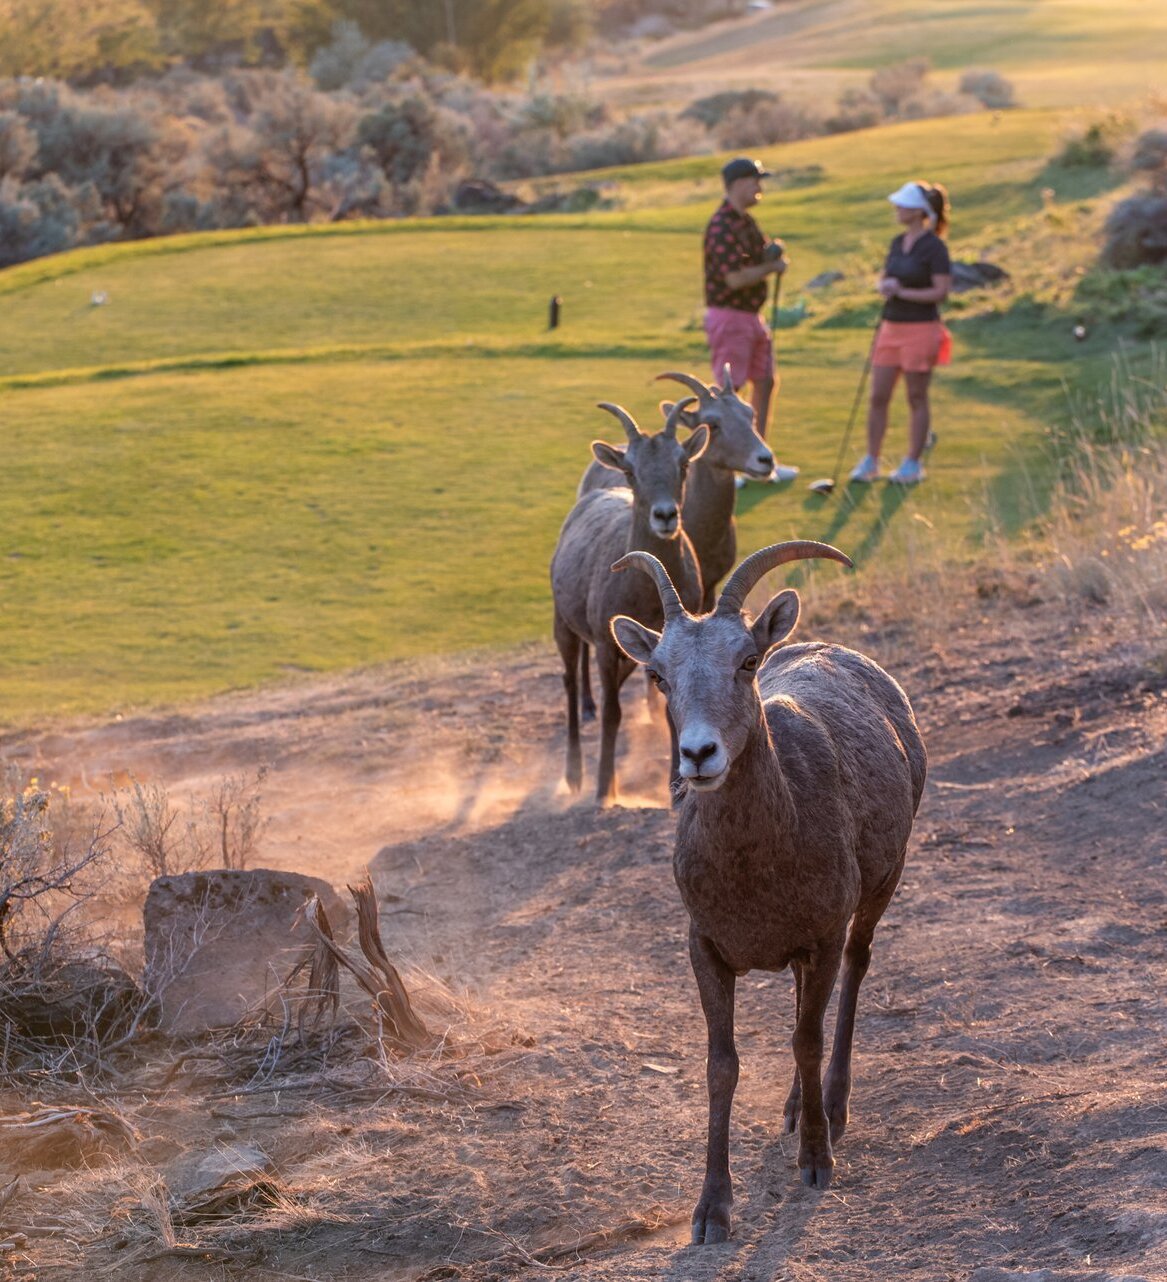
(569, 646)
(715, 983)
(815, 1160)
(856, 960)
(611, 679)
(794, 1099)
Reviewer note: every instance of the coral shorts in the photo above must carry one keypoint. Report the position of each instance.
(743, 340)
(914, 346)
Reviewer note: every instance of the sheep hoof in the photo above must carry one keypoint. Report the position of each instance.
(816, 1176)
(710, 1225)
(790, 1117)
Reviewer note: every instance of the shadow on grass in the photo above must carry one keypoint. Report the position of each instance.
(828, 517)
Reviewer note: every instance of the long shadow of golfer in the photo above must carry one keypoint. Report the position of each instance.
(851, 502)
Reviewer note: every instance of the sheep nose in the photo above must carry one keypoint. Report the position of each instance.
(766, 460)
(665, 515)
(698, 755)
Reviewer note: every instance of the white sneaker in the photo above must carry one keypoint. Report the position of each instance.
(909, 472)
(739, 481)
(783, 472)
(866, 470)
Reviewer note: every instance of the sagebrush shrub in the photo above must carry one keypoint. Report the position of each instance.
(990, 88)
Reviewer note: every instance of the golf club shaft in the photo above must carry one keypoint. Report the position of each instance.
(855, 404)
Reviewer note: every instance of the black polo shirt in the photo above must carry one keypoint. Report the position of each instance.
(916, 269)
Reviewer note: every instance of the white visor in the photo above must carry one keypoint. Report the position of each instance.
(911, 196)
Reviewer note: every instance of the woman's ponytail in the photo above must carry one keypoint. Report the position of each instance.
(937, 198)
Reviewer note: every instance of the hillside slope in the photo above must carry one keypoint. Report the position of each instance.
(1065, 53)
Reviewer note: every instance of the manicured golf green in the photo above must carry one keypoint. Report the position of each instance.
(311, 449)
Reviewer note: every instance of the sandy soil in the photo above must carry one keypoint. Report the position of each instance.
(1010, 1107)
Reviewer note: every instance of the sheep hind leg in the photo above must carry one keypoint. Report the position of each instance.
(794, 1099)
(587, 702)
(569, 646)
(816, 1162)
(856, 960)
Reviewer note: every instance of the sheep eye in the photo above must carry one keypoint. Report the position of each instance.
(656, 678)
(750, 664)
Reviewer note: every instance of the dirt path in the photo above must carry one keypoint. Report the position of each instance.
(1010, 1107)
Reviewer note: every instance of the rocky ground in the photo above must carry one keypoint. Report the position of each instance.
(1009, 1114)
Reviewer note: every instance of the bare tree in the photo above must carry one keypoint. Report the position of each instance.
(278, 160)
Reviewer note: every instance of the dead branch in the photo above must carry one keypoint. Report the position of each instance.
(376, 975)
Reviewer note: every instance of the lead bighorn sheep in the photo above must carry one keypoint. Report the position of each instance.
(602, 526)
(801, 772)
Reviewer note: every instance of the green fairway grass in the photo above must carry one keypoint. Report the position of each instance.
(307, 449)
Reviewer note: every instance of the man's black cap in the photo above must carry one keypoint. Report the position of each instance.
(743, 167)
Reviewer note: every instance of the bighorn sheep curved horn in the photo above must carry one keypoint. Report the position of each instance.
(675, 415)
(670, 601)
(733, 595)
(694, 384)
(626, 420)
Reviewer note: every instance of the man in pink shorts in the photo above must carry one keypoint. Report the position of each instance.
(738, 258)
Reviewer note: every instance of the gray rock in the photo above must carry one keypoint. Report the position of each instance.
(74, 1001)
(976, 276)
(1005, 1275)
(1047, 1275)
(200, 1171)
(823, 279)
(219, 942)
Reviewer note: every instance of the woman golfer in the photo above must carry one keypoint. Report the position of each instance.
(916, 277)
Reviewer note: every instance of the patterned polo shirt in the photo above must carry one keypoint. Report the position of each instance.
(733, 240)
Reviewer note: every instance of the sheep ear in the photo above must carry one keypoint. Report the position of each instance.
(776, 622)
(688, 417)
(694, 447)
(610, 455)
(637, 641)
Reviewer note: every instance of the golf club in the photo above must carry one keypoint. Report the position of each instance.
(826, 484)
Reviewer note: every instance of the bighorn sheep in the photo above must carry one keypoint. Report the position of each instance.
(734, 446)
(802, 771)
(602, 526)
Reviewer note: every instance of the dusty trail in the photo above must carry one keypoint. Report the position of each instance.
(1010, 1107)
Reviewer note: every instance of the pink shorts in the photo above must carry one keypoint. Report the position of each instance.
(742, 339)
(914, 346)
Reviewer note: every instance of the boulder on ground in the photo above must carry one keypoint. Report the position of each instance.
(824, 279)
(218, 943)
(976, 276)
(65, 1003)
(480, 196)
